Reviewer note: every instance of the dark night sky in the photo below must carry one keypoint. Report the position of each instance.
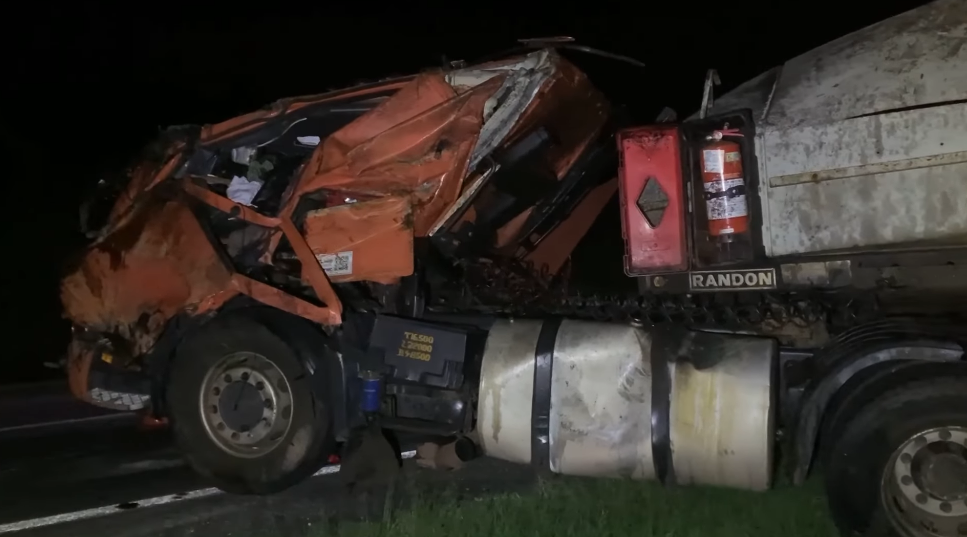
(92, 83)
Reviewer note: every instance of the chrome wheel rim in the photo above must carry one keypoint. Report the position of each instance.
(924, 487)
(246, 404)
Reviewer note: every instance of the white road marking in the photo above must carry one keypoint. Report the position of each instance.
(96, 512)
(59, 424)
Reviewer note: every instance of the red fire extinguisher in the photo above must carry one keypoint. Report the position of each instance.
(724, 181)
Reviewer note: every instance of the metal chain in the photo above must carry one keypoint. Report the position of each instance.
(513, 289)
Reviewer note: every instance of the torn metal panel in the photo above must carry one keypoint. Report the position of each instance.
(143, 273)
(417, 143)
(522, 80)
(568, 112)
(542, 85)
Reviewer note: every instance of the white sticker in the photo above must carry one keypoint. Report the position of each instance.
(340, 264)
(732, 156)
(724, 207)
(714, 159)
(714, 187)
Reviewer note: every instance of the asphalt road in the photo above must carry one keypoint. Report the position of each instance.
(316, 507)
(59, 455)
(69, 472)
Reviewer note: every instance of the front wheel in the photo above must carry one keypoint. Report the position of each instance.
(899, 468)
(243, 409)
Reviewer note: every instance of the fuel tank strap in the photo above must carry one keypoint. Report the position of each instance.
(664, 347)
(541, 402)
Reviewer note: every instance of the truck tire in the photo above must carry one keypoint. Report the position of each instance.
(243, 411)
(899, 467)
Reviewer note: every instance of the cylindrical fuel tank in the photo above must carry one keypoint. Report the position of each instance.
(614, 400)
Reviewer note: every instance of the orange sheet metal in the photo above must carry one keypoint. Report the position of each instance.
(416, 144)
(312, 271)
(228, 206)
(143, 273)
(573, 112)
(376, 237)
(552, 252)
(267, 294)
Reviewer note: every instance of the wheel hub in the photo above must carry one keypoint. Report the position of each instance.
(246, 404)
(925, 484)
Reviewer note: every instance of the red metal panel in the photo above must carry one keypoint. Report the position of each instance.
(652, 200)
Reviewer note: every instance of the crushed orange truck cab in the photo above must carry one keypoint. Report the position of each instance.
(287, 204)
(310, 279)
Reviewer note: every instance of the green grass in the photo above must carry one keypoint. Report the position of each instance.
(604, 508)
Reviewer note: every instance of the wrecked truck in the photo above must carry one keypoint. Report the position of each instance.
(393, 258)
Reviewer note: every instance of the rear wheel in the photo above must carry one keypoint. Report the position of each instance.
(243, 409)
(899, 468)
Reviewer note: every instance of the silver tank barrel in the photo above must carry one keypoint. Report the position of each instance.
(614, 400)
